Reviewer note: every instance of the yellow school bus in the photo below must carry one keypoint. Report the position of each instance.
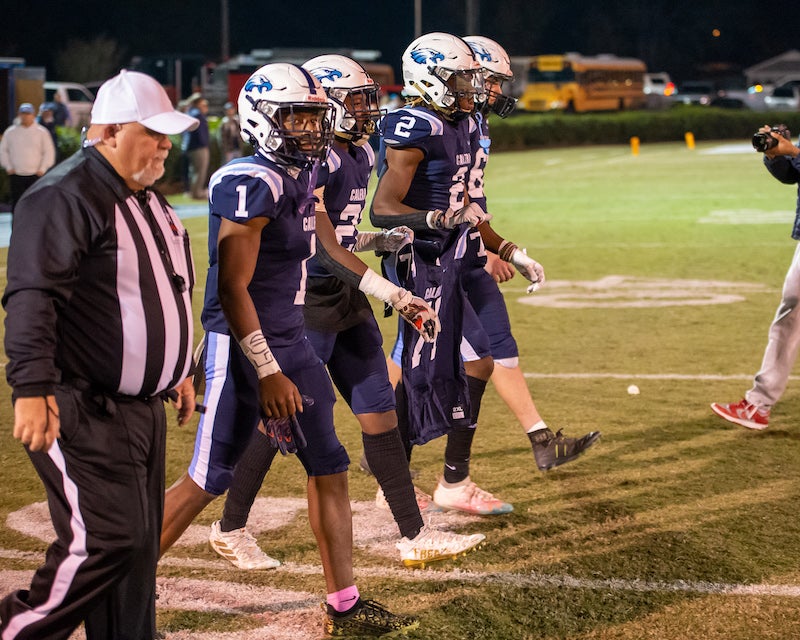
(574, 83)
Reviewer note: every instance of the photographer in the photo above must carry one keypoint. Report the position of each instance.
(782, 161)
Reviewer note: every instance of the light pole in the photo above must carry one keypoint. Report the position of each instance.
(225, 49)
(473, 17)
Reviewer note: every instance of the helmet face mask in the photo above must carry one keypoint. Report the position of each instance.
(352, 93)
(495, 100)
(357, 113)
(301, 132)
(464, 90)
(441, 69)
(284, 113)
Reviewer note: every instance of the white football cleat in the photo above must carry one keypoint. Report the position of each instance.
(240, 548)
(432, 545)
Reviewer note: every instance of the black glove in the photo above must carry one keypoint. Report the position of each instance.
(285, 434)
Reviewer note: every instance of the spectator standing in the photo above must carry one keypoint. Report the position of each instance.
(61, 114)
(98, 327)
(195, 146)
(229, 138)
(46, 119)
(26, 152)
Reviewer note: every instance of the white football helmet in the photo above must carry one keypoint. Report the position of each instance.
(351, 92)
(441, 69)
(285, 113)
(496, 67)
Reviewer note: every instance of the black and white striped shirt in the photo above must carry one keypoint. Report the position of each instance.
(99, 285)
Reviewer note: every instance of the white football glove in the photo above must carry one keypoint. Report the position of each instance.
(418, 314)
(529, 268)
(472, 215)
(391, 240)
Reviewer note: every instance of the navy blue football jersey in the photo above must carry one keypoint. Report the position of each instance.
(480, 143)
(345, 195)
(441, 178)
(433, 375)
(254, 187)
(331, 304)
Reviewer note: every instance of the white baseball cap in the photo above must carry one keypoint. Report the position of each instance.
(136, 97)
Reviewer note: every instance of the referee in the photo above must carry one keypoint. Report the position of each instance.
(98, 328)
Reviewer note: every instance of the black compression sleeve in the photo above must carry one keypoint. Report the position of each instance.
(336, 268)
(417, 220)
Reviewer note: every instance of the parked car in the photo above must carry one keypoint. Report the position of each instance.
(78, 99)
(734, 92)
(695, 92)
(659, 84)
(784, 98)
(658, 88)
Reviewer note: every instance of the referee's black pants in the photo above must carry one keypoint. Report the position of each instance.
(18, 185)
(104, 479)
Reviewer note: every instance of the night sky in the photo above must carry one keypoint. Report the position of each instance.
(669, 35)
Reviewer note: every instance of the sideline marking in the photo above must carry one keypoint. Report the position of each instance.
(733, 148)
(625, 292)
(747, 216)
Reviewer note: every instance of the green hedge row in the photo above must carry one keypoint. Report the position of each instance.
(530, 131)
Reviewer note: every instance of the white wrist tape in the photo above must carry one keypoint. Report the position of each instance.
(378, 287)
(257, 351)
(520, 259)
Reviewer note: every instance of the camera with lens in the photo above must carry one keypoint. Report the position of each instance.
(763, 141)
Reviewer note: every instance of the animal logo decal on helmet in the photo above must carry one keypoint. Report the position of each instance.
(482, 54)
(258, 83)
(426, 55)
(326, 73)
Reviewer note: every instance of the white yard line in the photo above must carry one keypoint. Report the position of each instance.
(645, 376)
(251, 596)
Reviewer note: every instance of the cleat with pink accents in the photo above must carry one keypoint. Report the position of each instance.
(469, 498)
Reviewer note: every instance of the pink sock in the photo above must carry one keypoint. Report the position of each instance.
(345, 599)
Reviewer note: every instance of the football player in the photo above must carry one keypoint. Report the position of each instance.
(549, 449)
(342, 329)
(422, 185)
(261, 371)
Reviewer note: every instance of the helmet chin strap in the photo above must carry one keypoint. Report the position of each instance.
(423, 93)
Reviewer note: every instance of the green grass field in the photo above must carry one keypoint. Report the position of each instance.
(664, 271)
